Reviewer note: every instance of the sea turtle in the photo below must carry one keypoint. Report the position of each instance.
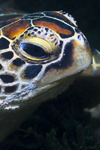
(40, 56)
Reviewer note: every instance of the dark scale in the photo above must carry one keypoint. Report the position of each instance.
(1, 67)
(7, 19)
(7, 55)
(31, 28)
(29, 34)
(46, 29)
(4, 43)
(61, 43)
(51, 35)
(32, 33)
(66, 60)
(36, 14)
(32, 16)
(39, 27)
(56, 43)
(31, 71)
(58, 16)
(35, 30)
(13, 38)
(11, 89)
(54, 40)
(39, 32)
(22, 36)
(18, 62)
(26, 32)
(7, 78)
(46, 33)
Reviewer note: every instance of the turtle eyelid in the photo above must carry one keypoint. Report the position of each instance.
(33, 50)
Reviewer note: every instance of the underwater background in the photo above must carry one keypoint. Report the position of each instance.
(61, 123)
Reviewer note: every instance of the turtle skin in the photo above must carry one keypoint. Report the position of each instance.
(40, 55)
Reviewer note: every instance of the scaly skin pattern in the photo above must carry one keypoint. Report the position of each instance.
(40, 56)
(36, 51)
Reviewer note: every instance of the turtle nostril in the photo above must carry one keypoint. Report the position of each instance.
(82, 39)
(79, 37)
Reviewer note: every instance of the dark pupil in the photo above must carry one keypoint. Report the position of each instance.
(33, 50)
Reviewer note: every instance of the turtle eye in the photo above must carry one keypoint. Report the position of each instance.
(37, 44)
(33, 50)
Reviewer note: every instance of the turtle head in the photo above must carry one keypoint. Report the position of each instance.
(46, 52)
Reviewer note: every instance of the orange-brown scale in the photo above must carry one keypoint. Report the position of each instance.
(6, 20)
(16, 29)
(53, 27)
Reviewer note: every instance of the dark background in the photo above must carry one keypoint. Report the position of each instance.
(64, 114)
(86, 12)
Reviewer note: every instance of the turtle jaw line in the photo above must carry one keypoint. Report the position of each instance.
(52, 89)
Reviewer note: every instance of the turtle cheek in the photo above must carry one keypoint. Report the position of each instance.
(82, 55)
(83, 41)
(74, 58)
